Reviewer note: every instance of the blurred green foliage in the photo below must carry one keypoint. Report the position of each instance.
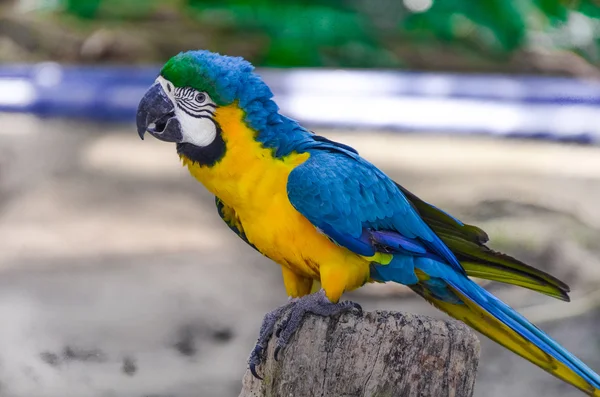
(359, 32)
(125, 9)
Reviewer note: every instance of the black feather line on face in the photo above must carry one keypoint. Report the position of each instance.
(205, 155)
(195, 112)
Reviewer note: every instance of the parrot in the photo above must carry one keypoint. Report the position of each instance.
(330, 218)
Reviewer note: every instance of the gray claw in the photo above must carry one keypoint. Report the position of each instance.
(290, 318)
(255, 359)
(266, 330)
(354, 306)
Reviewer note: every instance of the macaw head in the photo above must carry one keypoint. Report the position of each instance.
(183, 104)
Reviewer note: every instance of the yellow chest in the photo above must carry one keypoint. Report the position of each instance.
(253, 183)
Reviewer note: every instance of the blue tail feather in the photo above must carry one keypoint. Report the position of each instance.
(462, 298)
(526, 329)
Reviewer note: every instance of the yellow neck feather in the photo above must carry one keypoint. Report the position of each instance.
(248, 172)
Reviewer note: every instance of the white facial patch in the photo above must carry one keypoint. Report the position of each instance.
(195, 112)
(197, 131)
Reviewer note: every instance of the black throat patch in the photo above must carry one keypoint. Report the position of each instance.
(204, 155)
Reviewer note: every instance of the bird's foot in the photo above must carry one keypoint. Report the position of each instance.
(291, 315)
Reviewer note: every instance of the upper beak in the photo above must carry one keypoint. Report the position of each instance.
(156, 114)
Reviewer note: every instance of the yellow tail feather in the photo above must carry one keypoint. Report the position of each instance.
(482, 321)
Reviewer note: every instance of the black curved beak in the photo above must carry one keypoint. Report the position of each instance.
(156, 115)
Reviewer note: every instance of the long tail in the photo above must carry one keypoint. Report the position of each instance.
(464, 300)
(467, 243)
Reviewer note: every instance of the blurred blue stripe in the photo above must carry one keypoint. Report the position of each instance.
(539, 107)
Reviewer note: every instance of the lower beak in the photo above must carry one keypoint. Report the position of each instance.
(156, 115)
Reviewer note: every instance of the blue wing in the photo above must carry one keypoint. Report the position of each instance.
(359, 207)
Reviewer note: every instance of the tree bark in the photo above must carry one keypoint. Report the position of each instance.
(376, 354)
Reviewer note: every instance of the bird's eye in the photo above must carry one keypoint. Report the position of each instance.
(200, 97)
(169, 87)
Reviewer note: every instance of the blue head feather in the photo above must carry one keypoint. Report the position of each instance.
(229, 79)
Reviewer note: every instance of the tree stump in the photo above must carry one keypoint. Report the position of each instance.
(376, 354)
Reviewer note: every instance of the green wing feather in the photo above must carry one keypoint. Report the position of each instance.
(230, 218)
(467, 242)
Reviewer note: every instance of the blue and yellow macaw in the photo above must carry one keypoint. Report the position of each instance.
(325, 214)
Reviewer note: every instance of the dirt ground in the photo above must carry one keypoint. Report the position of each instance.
(118, 278)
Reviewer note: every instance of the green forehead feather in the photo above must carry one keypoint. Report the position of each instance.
(231, 79)
(224, 78)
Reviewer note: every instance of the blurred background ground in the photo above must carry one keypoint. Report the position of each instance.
(118, 278)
